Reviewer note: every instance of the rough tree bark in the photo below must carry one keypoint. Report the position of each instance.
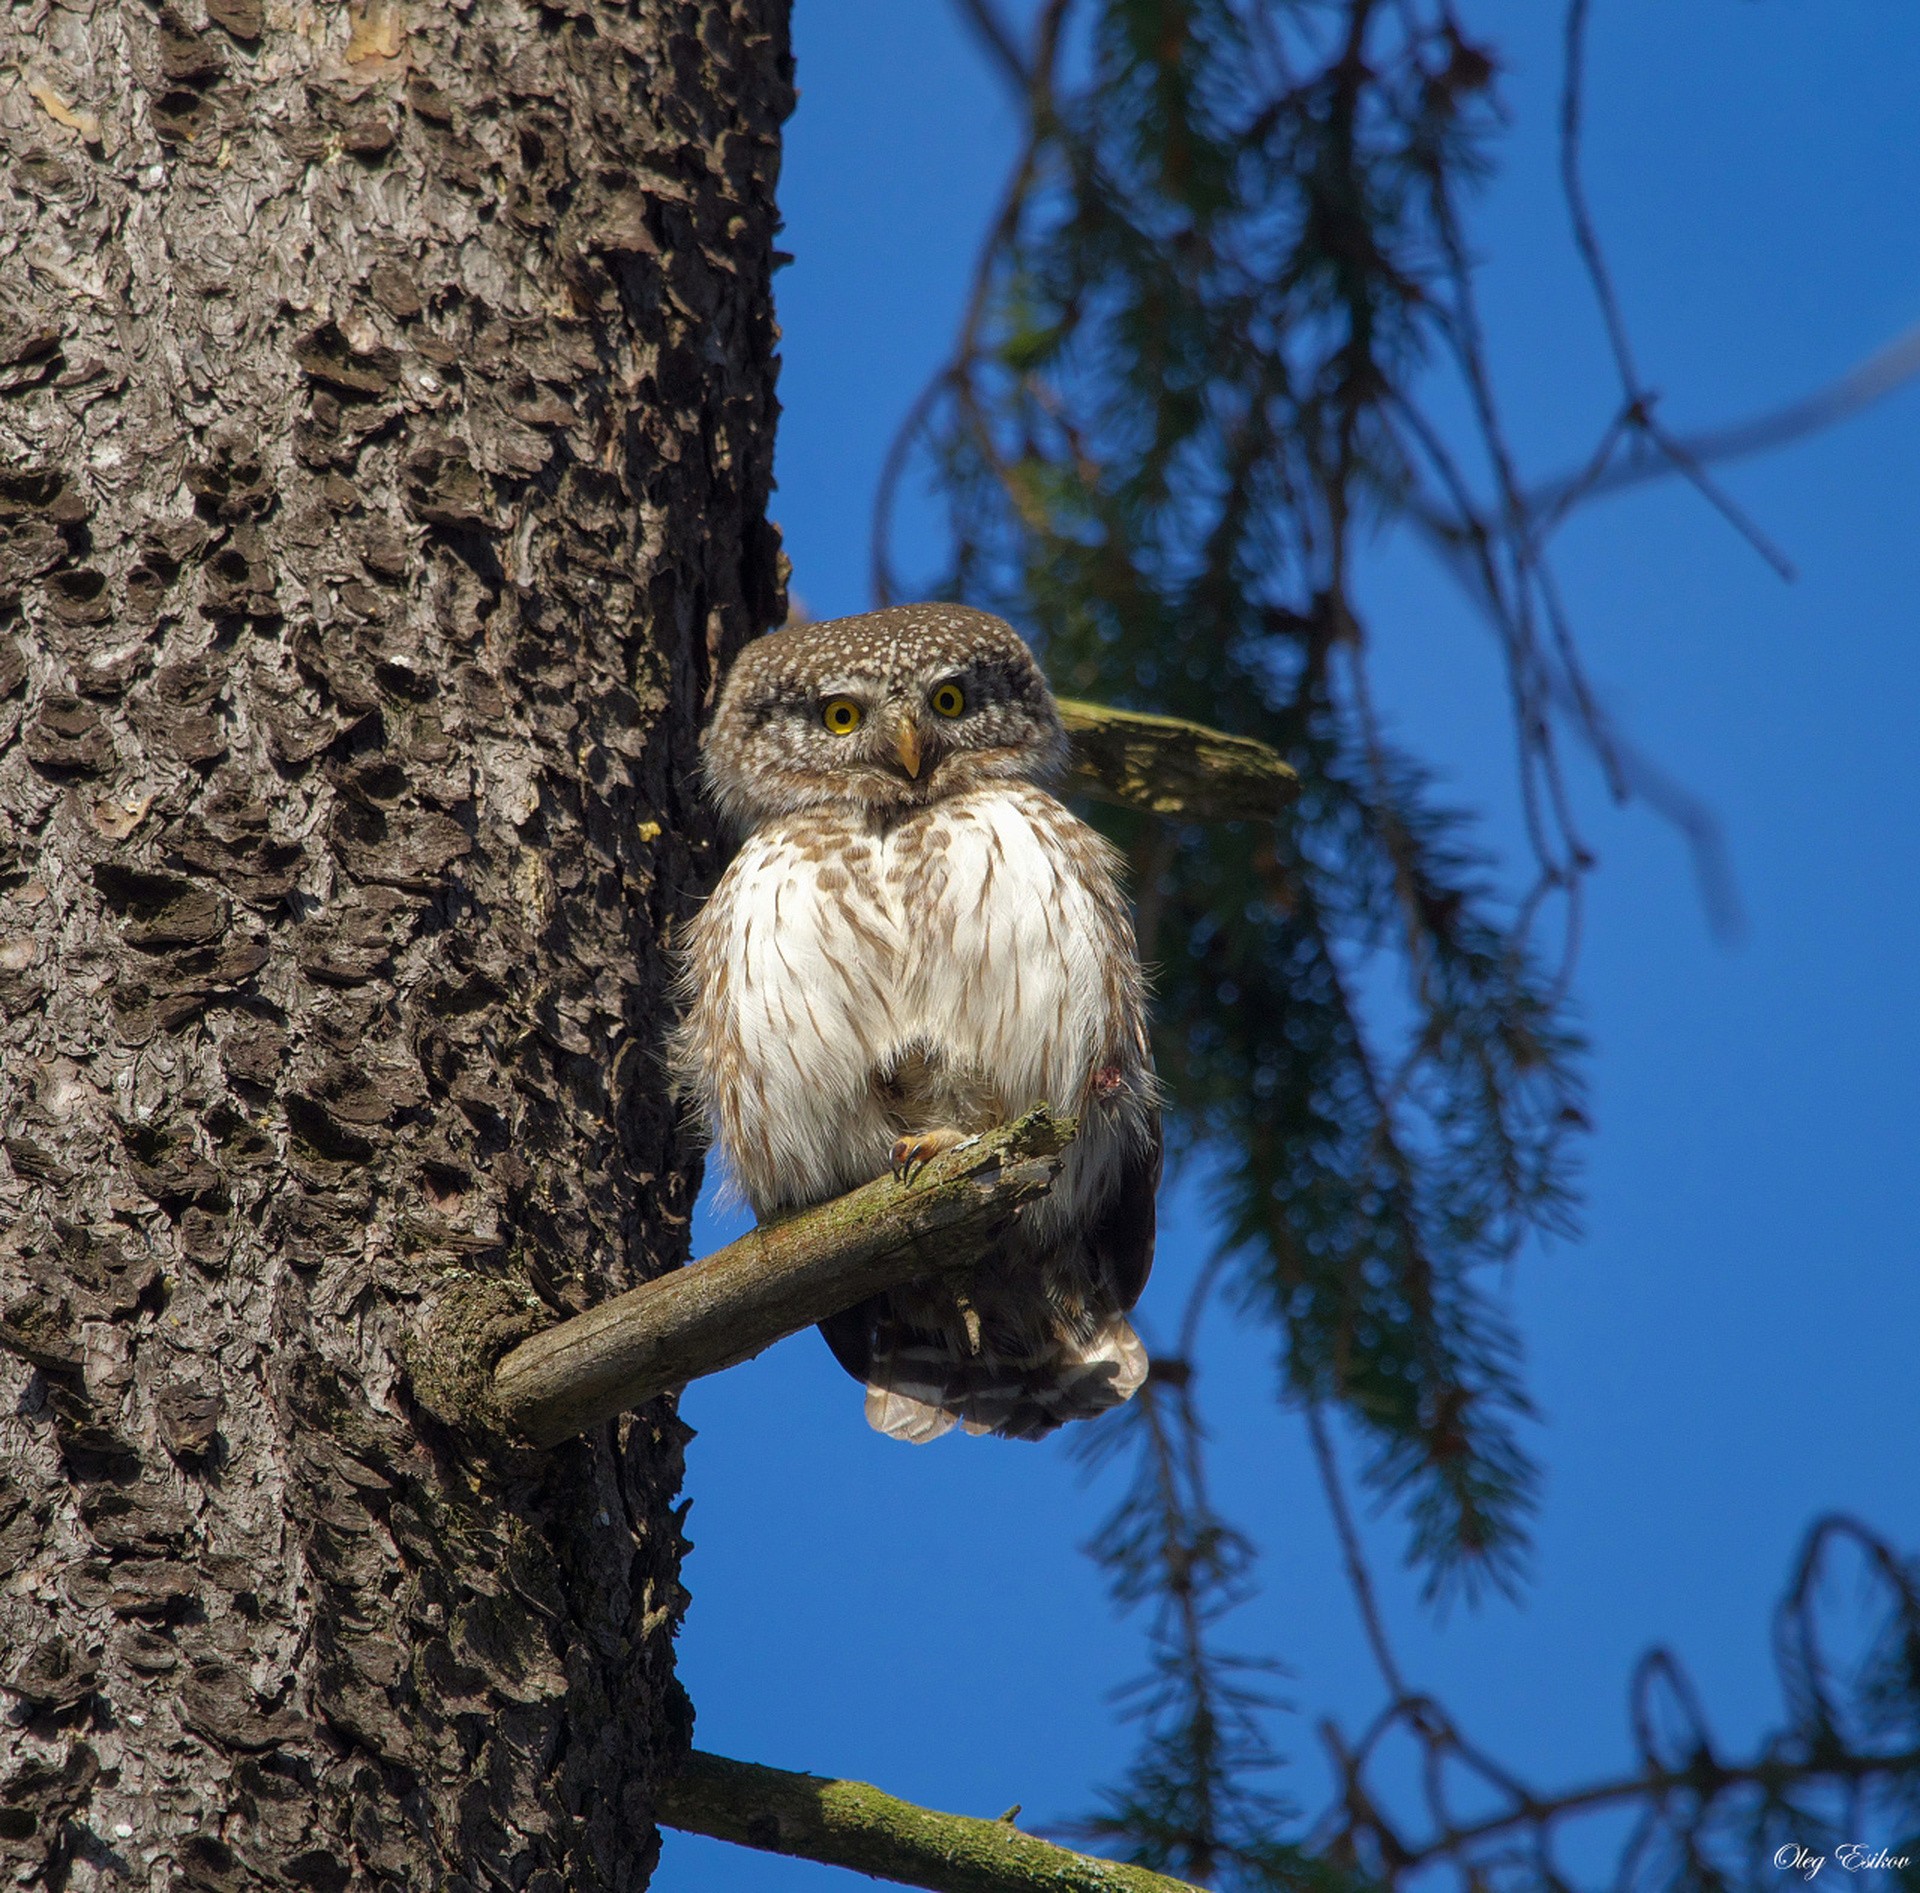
(385, 432)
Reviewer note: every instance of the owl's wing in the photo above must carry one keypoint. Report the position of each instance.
(1119, 1240)
(850, 1335)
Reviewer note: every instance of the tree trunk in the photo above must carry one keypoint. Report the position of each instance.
(385, 431)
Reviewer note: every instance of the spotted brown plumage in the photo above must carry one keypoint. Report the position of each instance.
(917, 942)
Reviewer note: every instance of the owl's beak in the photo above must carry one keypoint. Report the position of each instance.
(906, 745)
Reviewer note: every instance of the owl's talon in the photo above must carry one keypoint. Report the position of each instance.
(970, 1320)
(912, 1154)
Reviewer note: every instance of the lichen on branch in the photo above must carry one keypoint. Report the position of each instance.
(772, 1282)
(1164, 765)
(849, 1824)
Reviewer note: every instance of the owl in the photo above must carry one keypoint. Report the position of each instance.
(917, 942)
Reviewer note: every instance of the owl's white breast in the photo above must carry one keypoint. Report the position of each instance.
(1007, 943)
(982, 932)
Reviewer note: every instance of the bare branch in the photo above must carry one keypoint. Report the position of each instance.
(1038, 84)
(1882, 373)
(1702, 1778)
(1690, 1800)
(996, 36)
(1585, 237)
(718, 1312)
(1639, 397)
(1165, 766)
(1359, 1579)
(1455, 542)
(849, 1824)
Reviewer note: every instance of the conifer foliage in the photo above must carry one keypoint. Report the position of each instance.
(1213, 343)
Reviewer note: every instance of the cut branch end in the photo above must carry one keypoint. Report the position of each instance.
(1167, 766)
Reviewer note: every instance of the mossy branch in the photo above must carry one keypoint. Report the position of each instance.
(849, 1824)
(773, 1282)
(1166, 766)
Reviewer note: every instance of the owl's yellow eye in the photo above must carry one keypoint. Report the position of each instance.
(841, 715)
(949, 700)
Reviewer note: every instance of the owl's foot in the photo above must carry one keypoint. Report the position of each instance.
(970, 1320)
(912, 1154)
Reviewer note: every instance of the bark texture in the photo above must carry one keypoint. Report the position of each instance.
(385, 433)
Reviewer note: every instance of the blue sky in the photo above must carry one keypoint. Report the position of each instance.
(1730, 1348)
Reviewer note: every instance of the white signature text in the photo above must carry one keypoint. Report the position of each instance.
(1852, 1857)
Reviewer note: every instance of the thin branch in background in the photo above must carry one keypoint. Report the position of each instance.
(1640, 398)
(1585, 237)
(1536, 683)
(1887, 370)
(997, 38)
(1460, 539)
(1534, 512)
(886, 590)
(1844, 1764)
(1197, 1299)
(1359, 1579)
(1190, 1804)
(1456, 534)
(951, 382)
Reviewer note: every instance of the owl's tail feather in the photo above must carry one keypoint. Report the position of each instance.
(907, 1389)
(918, 1386)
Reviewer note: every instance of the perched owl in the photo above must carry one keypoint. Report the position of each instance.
(917, 942)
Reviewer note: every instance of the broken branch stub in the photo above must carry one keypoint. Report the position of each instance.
(773, 1282)
(849, 1824)
(1167, 766)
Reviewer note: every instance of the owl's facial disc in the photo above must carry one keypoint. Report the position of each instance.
(890, 728)
(888, 712)
(923, 732)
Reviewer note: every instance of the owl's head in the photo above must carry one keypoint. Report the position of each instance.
(891, 710)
